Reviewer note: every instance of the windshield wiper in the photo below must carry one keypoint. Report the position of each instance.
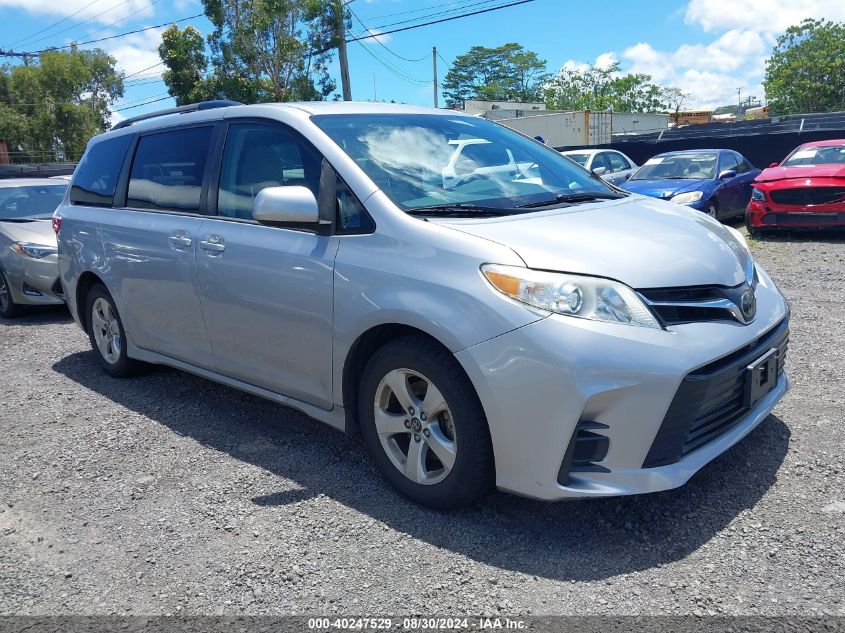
(459, 209)
(572, 197)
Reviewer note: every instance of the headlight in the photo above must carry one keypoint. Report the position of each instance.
(36, 251)
(688, 198)
(758, 195)
(573, 295)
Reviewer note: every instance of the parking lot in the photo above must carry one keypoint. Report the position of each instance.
(170, 494)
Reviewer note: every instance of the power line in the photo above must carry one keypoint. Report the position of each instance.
(143, 70)
(382, 44)
(47, 28)
(444, 12)
(123, 19)
(441, 20)
(111, 37)
(420, 10)
(141, 104)
(73, 26)
(126, 103)
(395, 71)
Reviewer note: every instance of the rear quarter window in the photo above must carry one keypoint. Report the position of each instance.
(96, 176)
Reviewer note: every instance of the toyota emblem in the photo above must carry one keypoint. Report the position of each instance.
(748, 304)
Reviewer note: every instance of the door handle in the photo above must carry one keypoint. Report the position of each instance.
(180, 241)
(213, 244)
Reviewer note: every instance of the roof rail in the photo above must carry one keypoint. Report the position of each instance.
(191, 107)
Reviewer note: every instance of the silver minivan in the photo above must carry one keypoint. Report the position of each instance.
(526, 326)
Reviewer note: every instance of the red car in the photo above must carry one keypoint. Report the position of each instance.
(806, 190)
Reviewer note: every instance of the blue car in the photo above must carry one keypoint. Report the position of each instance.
(716, 181)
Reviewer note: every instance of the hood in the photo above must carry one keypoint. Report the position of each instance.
(665, 188)
(35, 232)
(641, 242)
(802, 171)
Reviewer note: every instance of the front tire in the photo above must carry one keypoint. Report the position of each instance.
(752, 230)
(106, 333)
(8, 308)
(424, 426)
(712, 209)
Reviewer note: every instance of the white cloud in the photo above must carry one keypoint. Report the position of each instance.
(136, 52)
(763, 17)
(102, 11)
(379, 37)
(712, 73)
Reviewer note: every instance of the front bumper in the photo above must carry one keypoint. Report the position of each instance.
(34, 281)
(540, 382)
(766, 215)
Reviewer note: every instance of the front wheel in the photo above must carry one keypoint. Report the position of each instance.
(712, 210)
(424, 426)
(8, 308)
(105, 330)
(752, 230)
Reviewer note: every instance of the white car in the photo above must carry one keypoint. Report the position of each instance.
(611, 165)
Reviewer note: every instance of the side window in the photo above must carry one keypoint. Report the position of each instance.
(168, 169)
(617, 163)
(728, 162)
(352, 217)
(600, 160)
(742, 164)
(96, 176)
(258, 156)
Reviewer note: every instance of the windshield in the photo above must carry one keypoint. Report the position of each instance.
(826, 155)
(581, 159)
(426, 160)
(30, 202)
(677, 166)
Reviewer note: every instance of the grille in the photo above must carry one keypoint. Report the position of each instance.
(803, 219)
(675, 306)
(808, 196)
(710, 400)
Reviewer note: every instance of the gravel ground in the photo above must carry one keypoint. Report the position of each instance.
(169, 494)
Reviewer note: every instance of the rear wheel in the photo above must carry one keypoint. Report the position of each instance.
(8, 308)
(424, 426)
(105, 330)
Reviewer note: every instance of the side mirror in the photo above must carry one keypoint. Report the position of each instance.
(727, 174)
(285, 205)
(599, 171)
(775, 165)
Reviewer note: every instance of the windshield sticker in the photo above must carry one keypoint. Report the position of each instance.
(654, 161)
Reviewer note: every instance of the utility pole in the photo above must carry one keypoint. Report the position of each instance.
(341, 50)
(434, 62)
(739, 102)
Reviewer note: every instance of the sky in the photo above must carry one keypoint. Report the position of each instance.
(711, 49)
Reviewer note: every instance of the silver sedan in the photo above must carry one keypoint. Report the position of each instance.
(29, 271)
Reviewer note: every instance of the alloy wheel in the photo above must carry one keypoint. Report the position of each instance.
(4, 294)
(712, 211)
(106, 328)
(415, 426)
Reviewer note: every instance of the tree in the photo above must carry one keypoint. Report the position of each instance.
(259, 51)
(604, 87)
(49, 110)
(806, 72)
(506, 73)
(183, 52)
